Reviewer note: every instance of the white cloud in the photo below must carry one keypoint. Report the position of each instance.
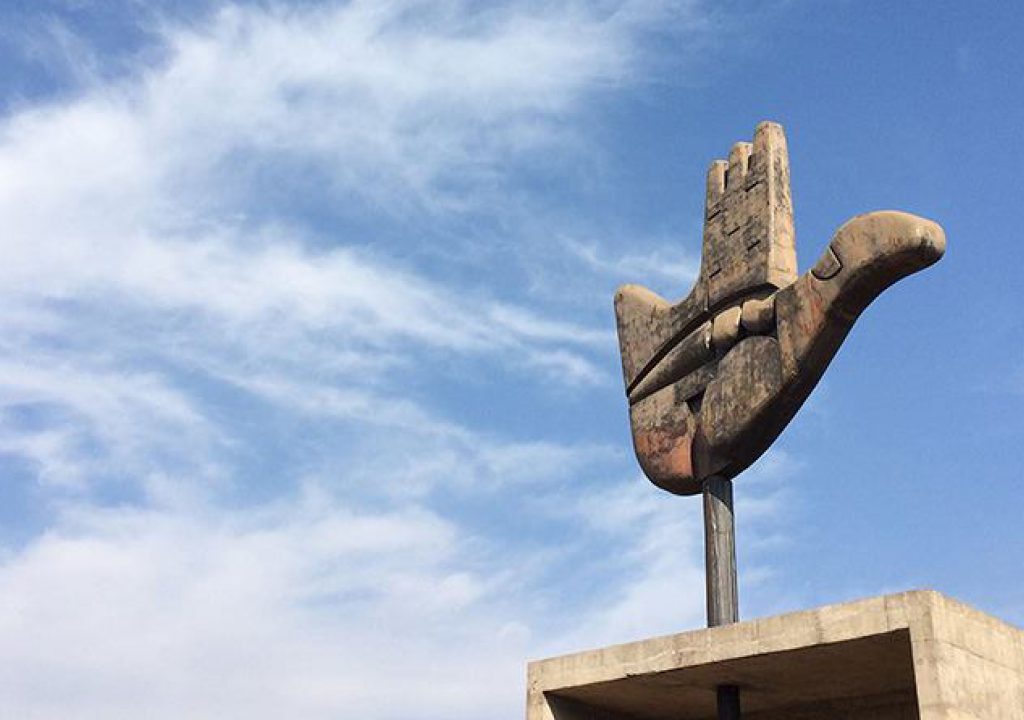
(676, 267)
(308, 611)
(312, 606)
(124, 248)
(96, 422)
(152, 268)
(127, 194)
(657, 554)
(659, 559)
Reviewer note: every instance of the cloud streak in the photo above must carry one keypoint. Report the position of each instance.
(230, 385)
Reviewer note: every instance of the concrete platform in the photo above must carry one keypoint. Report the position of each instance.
(897, 657)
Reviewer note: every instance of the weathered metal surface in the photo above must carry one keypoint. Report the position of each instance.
(687, 356)
(720, 552)
(713, 379)
(728, 697)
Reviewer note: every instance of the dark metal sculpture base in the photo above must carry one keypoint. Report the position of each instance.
(720, 565)
(728, 702)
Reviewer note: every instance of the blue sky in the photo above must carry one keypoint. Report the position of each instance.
(310, 402)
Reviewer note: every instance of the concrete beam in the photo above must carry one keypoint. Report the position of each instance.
(910, 656)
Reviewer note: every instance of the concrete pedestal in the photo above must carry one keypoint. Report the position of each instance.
(897, 657)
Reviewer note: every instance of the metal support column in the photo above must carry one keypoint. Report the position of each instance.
(720, 565)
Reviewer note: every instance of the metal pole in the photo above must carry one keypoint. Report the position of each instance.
(728, 702)
(720, 552)
(720, 565)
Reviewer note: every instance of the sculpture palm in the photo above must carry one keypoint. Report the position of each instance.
(713, 379)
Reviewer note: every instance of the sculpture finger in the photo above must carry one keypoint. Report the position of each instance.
(866, 255)
(716, 183)
(739, 158)
(735, 424)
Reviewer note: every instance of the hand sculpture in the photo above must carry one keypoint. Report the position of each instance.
(713, 379)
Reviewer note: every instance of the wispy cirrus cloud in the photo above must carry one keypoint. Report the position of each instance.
(135, 225)
(227, 346)
(660, 263)
(299, 610)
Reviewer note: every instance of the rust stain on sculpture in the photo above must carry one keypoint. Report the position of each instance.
(663, 430)
(713, 379)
